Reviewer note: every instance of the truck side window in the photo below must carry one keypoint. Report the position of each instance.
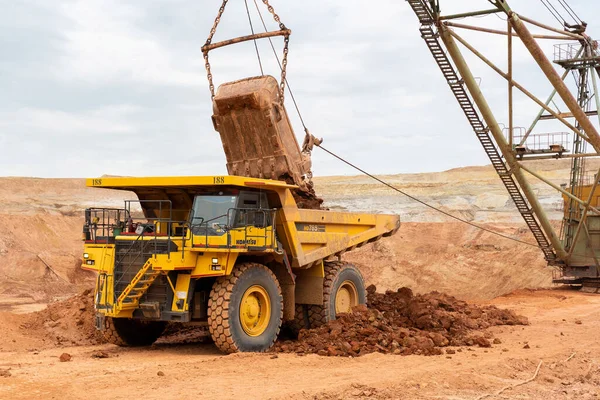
(252, 210)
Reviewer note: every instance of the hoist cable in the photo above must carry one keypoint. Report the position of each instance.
(255, 44)
(570, 11)
(556, 11)
(551, 12)
(423, 202)
(281, 67)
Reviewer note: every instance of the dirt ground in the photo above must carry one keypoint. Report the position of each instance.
(40, 247)
(561, 335)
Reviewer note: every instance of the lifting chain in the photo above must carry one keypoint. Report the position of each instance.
(211, 86)
(286, 41)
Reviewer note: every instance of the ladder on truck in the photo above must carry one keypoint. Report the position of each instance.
(139, 285)
(430, 36)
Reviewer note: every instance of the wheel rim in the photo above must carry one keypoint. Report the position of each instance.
(255, 310)
(346, 297)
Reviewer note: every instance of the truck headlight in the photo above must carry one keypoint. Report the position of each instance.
(86, 255)
(215, 260)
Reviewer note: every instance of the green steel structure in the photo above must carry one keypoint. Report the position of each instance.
(574, 248)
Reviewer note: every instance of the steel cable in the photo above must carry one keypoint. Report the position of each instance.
(433, 207)
(281, 68)
(570, 11)
(423, 202)
(550, 7)
(556, 11)
(255, 44)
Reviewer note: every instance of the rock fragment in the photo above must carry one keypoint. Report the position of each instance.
(399, 322)
(99, 354)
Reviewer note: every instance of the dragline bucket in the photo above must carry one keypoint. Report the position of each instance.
(257, 136)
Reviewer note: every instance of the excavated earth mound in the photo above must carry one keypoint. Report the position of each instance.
(66, 323)
(394, 322)
(70, 322)
(402, 323)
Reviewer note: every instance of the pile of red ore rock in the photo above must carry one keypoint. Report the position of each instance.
(402, 323)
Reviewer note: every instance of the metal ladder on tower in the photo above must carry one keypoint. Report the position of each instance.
(456, 85)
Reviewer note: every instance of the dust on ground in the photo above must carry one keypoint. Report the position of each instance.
(561, 334)
(40, 251)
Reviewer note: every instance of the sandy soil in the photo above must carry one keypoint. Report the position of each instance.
(41, 219)
(40, 249)
(455, 259)
(40, 237)
(561, 336)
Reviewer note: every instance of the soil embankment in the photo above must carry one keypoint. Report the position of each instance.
(41, 220)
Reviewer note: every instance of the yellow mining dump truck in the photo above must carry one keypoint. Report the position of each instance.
(232, 252)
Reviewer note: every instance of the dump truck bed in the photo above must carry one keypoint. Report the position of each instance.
(316, 235)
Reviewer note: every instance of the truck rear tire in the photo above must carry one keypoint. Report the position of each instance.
(343, 288)
(245, 309)
(132, 332)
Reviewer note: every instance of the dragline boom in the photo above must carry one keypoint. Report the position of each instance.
(575, 249)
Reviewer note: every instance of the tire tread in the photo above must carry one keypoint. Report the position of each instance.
(219, 302)
(320, 315)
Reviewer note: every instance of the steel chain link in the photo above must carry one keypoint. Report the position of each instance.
(286, 41)
(275, 16)
(211, 86)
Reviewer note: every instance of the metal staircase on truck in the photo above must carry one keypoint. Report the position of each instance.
(131, 294)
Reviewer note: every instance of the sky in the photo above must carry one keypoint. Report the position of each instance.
(93, 87)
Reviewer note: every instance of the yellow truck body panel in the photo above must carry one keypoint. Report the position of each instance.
(300, 239)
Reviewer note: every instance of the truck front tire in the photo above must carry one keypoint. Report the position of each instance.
(245, 309)
(132, 332)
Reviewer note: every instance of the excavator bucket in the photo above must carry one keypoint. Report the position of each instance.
(257, 136)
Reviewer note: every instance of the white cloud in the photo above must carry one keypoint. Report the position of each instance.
(53, 122)
(103, 45)
(103, 86)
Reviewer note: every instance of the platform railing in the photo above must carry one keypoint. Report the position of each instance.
(567, 51)
(552, 142)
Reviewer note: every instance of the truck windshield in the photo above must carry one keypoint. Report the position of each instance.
(212, 209)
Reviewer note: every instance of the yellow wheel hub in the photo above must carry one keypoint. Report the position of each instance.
(255, 310)
(346, 297)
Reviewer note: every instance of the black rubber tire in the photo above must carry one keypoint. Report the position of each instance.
(293, 327)
(336, 272)
(224, 304)
(132, 332)
(302, 319)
